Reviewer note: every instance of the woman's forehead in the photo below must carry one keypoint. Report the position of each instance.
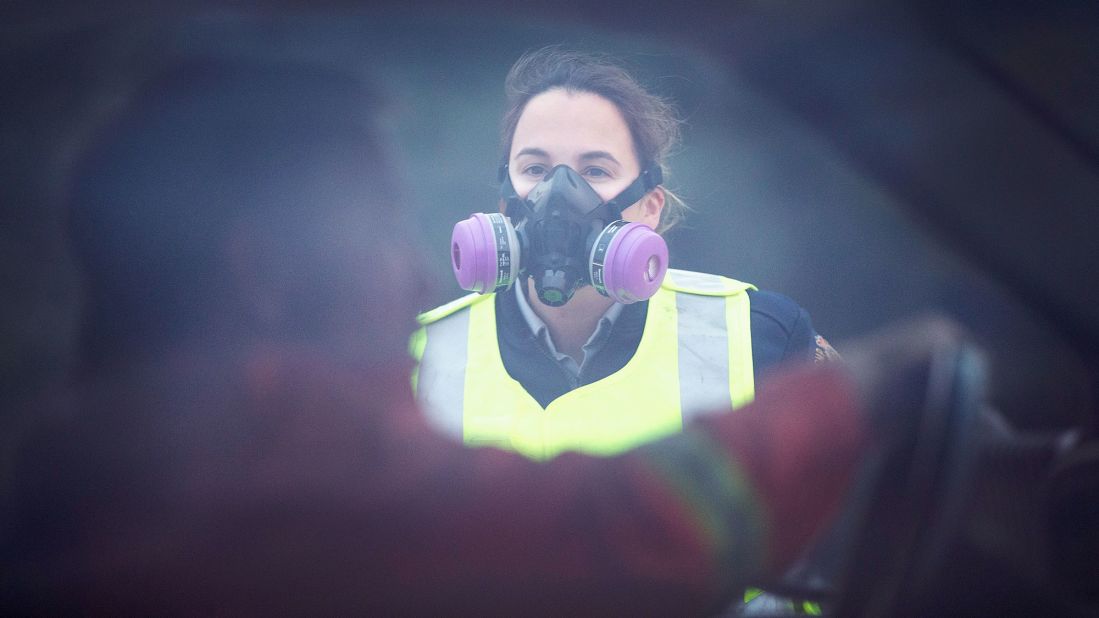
(567, 125)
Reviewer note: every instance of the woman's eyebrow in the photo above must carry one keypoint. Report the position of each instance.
(538, 152)
(598, 154)
(587, 156)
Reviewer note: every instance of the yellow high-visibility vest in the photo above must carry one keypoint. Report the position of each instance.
(695, 357)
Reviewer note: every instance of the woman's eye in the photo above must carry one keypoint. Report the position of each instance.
(535, 170)
(596, 172)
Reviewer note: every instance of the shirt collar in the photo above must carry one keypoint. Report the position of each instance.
(540, 331)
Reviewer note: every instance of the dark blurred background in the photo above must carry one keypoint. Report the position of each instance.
(870, 160)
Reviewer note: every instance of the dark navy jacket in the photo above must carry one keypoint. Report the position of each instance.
(781, 332)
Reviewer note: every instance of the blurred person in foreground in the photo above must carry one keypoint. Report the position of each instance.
(240, 437)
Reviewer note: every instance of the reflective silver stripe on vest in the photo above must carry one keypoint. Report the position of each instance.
(441, 385)
(703, 353)
(698, 281)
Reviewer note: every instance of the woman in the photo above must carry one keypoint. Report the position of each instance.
(593, 348)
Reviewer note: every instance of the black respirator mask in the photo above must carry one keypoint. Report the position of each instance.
(564, 236)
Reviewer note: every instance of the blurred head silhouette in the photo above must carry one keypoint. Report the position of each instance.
(232, 200)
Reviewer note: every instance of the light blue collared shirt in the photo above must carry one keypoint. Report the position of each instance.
(595, 343)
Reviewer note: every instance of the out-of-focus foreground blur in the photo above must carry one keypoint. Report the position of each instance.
(871, 160)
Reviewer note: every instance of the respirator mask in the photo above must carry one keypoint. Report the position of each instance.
(563, 235)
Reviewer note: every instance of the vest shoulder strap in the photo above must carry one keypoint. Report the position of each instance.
(703, 284)
(683, 281)
(454, 306)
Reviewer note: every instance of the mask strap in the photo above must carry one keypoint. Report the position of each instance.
(646, 182)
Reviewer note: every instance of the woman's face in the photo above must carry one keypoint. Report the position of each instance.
(587, 133)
